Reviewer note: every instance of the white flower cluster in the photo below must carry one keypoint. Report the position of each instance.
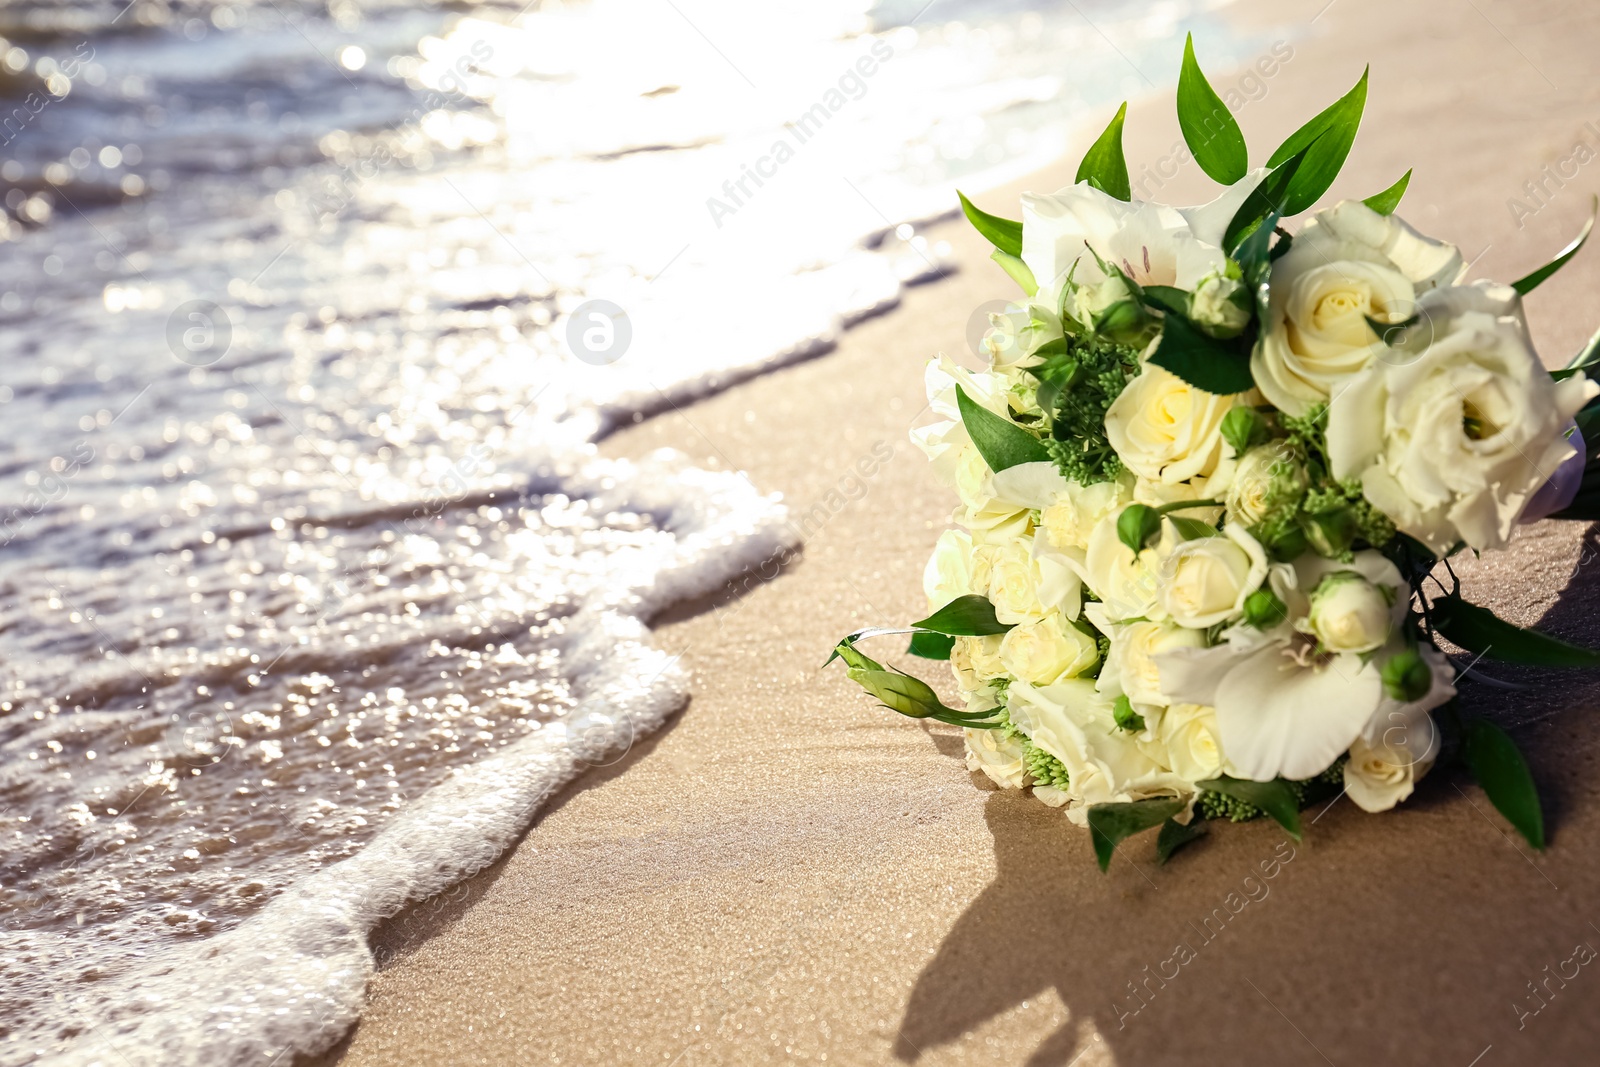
(1221, 603)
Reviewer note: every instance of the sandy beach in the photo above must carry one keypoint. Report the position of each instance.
(786, 874)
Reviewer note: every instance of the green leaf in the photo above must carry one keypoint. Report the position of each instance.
(1589, 354)
(1326, 140)
(1265, 204)
(931, 645)
(1017, 270)
(1498, 766)
(1385, 202)
(1104, 166)
(1209, 128)
(1137, 524)
(1002, 233)
(1174, 835)
(1167, 298)
(1001, 442)
(1275, 798)
(1192, 529)
(965, 616)
(1529, 283)
(1481, 631)
(1200, 359)
(1110, 824)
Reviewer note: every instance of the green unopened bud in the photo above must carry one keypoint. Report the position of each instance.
(1288, 546)
(899, 692)
(1120, 319)
(1407, 677)
(1244, 427)
(1331, 533)
(1126, 718)
(1137, 524)
(1264, 609)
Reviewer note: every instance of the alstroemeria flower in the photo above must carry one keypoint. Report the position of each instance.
(1153, 243)
(1284, 707)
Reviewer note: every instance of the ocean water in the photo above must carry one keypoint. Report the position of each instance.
(312, 585)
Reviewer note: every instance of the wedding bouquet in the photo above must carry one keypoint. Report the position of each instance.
(1210, 483)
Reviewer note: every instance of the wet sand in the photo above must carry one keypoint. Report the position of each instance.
(787, 874)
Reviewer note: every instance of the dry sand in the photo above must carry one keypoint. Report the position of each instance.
(787, 874)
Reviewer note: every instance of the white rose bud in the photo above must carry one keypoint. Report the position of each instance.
(1191, 737)
(1044, 652)
(1266, 476)
(1219, 305)
(1350, 614)
(1205, 581)
(1382, 773)
(976, 661)
(1014, 584)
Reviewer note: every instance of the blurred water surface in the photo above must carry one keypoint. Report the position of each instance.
(299, 508)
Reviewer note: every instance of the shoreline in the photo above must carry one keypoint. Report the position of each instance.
(784, 872)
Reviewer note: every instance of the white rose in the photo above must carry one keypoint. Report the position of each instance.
(1014, 584)
(1217, 305)
(1077, 726)
(1068, 521)
(1267, 476)
(1126, 584)
(1165, 429)
(1382, 771)
(1452, 442)
(998, 757)
(1130, 668)
(976, 661)
(1350, 614)
(1192, 740)
(1044, 652)
(949, 571)
(1205, 581)
(1347, 264)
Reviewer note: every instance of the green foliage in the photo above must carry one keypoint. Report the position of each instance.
(1174, 835)
(931, 645)
(1095, 370)
(1326, 142)
(1045, 768)
(1200, 359)
(1277, 798)
(1481, 631)
(1110, 824)
(1104, 165)
(1004, 234)
(965, 616)
(1406, 676)
(1016, 270)
(1217, 805)
(1209, 128)
(1001, 442)
(1385, 202)
(1530, 282)
(1498, 766)
(1137, 524)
